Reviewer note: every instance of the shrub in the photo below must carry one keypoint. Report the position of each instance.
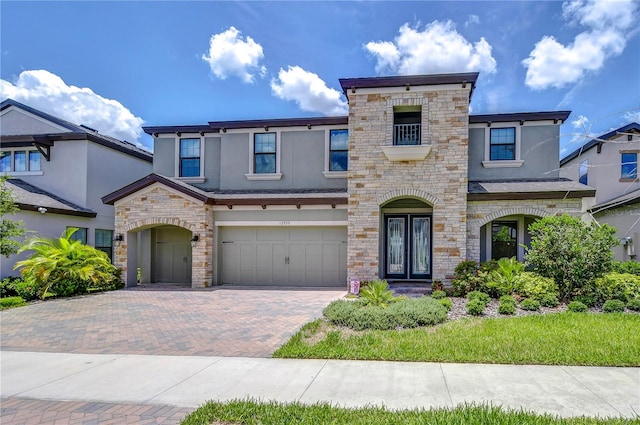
(6, 287)
(619, 286)
(507, 308)
(372, 317)
(571, 252)
(438, 294)
(507, 299)
(532, 285)
(613, 306)
(7, 302)
(477, 295)
(414, 312)
(475, 307)
(631, 267)
(26, 289)
(340, 312)
(468, 276)
(549, 300)
(588, 300)
(446, 303)
(577, 307)
(634, 304)
(377, 293)
(59, 261)
(530, 305)
(502, 281)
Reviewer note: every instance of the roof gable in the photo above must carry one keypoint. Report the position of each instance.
(629, 128)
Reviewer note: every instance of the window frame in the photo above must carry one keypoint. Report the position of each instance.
(623, 164)
(11, 154)
(177, 167)
(514, 225)
(331, 150)
(499, 142)
(252, 175)
(583, 172)
(81, 230)
(502, 163)
(106, 249)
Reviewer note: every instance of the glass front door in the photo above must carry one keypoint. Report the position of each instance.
(407, 246)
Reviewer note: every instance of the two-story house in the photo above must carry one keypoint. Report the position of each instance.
(609, 163)
(58, 173)
(403, 188)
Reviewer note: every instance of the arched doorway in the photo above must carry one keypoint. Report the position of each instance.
(171, 255)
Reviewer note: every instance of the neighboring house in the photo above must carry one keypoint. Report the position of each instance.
(404, 188)
(609, 163)
(58, 173)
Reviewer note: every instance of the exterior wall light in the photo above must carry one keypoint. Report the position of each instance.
(194, 239)
(118, 238)
(42, 210)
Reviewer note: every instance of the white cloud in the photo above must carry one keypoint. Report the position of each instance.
(580, 122)
(472, 19)
(633, 116)
(552, 64)
(47, 92)
(230, 54)
(439, 48)
(309, 91)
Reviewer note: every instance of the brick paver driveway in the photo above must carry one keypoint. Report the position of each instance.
(219, 322)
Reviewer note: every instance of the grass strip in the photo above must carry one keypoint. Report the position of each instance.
(553, 339)
(263, 413)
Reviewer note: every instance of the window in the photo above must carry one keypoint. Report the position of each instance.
(584, 169)
(503, 144)
(406, 126)
(19, 161)
(338, 150)
(264, 153)
(104, 241)
(80, 235)
(504, 239)
(629, 165)
(189, 157)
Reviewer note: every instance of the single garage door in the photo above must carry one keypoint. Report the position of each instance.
(286, 256)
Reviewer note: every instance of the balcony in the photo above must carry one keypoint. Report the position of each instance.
(407, 144)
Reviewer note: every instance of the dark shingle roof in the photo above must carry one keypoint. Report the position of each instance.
(555, 188)
(29, 197)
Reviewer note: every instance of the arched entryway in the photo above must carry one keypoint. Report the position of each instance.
(506, 235)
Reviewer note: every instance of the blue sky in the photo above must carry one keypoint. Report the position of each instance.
(116, 66)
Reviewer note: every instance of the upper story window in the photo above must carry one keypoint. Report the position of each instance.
(20, 161)
(584, 170)
(629, 166)
(264, 153)
(502, 144)
(338, 150)
(407, 125)
(189, 157)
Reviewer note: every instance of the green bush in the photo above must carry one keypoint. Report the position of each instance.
(469, 276)
(26, 289)
(6, 287)
(446, 303)
(507, 299)
(530, 304)
(577, 307)
(619, 286)
(408, 313)
(549, 300)
(571, 252)
(438, 294)
(507, 308)
(634, 304)
(613, 306)
(475, 307)
(631, 267)
(7, 302)
(532, 285)
(502, 281)
(588, 300)
(477, 295)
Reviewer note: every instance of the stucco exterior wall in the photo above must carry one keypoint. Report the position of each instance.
(625, 219)
(440, 179)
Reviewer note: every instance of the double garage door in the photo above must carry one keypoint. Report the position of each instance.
(283, 256)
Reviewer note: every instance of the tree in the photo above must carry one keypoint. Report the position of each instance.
(9, 229)
(66, 264)
(571, 252)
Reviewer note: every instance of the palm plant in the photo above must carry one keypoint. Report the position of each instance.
(58, 260)
(376, 293)
(503, 280)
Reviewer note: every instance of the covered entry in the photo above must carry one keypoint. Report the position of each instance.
(287, 256)
(171, 259)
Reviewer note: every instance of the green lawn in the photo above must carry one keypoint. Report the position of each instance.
(553, 339)
(250, 412)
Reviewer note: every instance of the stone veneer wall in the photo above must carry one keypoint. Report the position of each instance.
(442, 175)
(160, 206)
(480, 213)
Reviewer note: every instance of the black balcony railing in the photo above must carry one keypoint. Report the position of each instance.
(406, 134)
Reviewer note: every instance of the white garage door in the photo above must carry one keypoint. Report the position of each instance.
(287, 256)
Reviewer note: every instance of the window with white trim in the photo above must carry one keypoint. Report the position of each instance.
(629, 169)
(189, 163)
(264, 153)
(338, 150)
(20, 162)
(502, 145)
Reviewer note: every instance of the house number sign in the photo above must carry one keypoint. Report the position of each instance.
(284, 223)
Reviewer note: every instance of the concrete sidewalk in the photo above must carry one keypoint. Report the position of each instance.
(190, 381)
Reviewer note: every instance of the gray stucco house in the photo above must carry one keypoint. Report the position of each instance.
(403, 188)
(58, 173)
(609, 163)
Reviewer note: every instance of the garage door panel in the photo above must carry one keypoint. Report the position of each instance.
(230, 262)
(248, 262)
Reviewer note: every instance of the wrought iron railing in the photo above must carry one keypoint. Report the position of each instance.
(406, 134)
